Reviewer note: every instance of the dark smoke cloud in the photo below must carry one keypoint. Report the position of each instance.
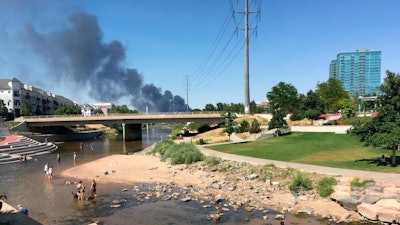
(76, 52)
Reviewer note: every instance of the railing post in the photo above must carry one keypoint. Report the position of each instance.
(123, 131)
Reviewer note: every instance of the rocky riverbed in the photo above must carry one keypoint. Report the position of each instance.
(227, 186)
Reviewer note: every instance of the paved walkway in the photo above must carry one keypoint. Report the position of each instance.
(387, 177)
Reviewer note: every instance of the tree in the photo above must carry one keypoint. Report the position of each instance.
(67, 110)
(230, 124)
(209, 107)
(384, 129)
(283, 97)
(3, 109)
(121, 109)
(26, 108)
(313, 106)
(332, 94)
(277, 120)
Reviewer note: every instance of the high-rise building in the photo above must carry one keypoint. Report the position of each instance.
(359, 71)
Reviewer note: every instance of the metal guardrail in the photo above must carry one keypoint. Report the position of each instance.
(22, 118)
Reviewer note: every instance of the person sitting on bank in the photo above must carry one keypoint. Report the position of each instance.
(22, 209)
(382, 161)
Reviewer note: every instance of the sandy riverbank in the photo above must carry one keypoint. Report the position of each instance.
(131, 169)
(140, 168)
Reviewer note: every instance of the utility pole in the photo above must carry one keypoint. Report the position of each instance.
(246, 57)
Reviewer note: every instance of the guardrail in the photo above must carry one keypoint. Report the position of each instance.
(22, 118)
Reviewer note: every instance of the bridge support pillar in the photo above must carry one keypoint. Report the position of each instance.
(131, 132)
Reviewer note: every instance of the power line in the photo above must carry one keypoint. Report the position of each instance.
(212, 50)
(223, 50)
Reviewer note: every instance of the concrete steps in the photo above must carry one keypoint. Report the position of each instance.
(13, 151)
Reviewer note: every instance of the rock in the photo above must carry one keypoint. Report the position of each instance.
(214, 217)
(215, 185)
(369, 211)
(249, 209)
(340, 195)
(231, 188)
(186, 199)
(275, 183)
(370, 199)
(349, 203)
(388, 215)
(326, 215)
(357, 189)
(125, 189)
(279, 217)
(115, 206)
(308, 210)
(218, 198)
(389, 204)
(302, 198)
(376, 188)
(345, 216)
(251, 176)
(225, 209)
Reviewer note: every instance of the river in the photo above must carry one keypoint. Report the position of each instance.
(51, 203)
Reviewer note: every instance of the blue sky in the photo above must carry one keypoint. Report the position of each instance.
(193, 45)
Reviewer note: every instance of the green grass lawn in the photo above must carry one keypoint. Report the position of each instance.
(325, 149)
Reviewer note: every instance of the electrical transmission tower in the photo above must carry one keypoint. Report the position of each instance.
(246, 29)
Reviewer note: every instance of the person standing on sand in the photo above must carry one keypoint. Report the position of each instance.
(58, 157)
(74, 157)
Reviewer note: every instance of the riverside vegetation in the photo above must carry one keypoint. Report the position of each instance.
(309, 148)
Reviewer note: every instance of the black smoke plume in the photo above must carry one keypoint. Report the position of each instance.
(77, 52)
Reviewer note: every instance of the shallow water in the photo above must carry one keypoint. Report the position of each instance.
(52, 202)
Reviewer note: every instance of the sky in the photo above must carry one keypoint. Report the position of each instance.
(143, 53)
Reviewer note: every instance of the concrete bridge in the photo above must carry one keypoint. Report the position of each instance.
(131, 123)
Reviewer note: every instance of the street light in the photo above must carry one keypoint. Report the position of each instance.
(172, 103)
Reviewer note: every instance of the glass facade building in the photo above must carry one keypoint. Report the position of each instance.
(359, 71)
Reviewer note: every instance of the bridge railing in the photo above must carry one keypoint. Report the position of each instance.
(22, 118)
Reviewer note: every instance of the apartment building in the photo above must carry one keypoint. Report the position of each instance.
(359, 71)
(16, 94)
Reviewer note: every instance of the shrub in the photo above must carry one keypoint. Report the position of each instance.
(356, 120)
(300, 182)
(325, 186)
(244, 126)
(255, 127)
(212, 161)
(162, 146)
(183, 153)
(357, 183)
